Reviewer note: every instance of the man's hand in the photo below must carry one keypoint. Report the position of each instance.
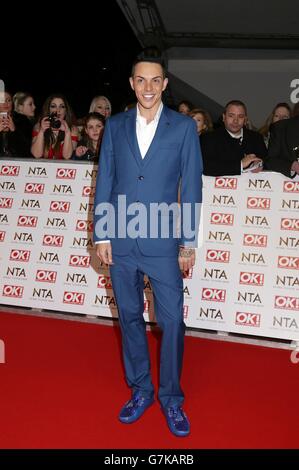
(258, 170)
(104, 253)
(186, 259)
(250, 159)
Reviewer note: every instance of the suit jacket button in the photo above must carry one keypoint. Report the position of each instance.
(141, 178)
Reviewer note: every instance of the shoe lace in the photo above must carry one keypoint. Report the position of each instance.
(137, 399)
(176, 413)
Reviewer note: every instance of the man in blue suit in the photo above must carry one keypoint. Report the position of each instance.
(148, 155)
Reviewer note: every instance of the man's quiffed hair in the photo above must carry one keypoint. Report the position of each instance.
(150, 54)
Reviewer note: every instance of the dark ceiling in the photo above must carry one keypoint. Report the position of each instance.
(264, 24)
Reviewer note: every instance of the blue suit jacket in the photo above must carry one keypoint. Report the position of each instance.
(173, 160)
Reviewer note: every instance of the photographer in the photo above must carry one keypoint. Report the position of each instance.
(89, 147)
(55, 136)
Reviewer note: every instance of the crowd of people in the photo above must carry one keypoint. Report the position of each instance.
(56, 133)
(229, 146)
(232, 146)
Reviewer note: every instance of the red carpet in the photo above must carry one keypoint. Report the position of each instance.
(62, 386)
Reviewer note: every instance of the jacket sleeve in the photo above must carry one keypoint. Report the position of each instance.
(104, 186)
(215, 159)
(261, 149)
(276, 159)
(191, 186)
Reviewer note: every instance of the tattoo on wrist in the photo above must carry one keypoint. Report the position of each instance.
(186, 252)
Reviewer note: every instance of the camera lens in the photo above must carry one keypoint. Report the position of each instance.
(54, 122)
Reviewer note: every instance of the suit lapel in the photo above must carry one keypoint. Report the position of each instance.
(163, 125)
(130, 125)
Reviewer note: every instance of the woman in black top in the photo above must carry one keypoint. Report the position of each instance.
(23, 117)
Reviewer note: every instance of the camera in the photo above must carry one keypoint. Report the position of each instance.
(89, 155)
(55, 123)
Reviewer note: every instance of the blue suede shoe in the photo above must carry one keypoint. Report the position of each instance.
(134, 408)
(177, 421)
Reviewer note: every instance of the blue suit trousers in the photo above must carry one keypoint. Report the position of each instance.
(127, 274)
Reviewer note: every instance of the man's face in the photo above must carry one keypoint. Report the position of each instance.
(234, 118)
(148, 84)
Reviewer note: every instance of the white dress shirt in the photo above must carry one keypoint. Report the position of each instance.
(146, 132)
(236, 136)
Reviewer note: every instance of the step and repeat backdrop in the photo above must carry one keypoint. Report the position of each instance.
(246, 279)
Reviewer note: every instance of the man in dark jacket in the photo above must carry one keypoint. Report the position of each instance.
(232, 149)
(283, 154)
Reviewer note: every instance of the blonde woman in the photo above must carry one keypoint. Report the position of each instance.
(101, 104)
(279, 112)
(24, 104)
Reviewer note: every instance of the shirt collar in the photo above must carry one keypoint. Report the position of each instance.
(239, 136)
(142, 119)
